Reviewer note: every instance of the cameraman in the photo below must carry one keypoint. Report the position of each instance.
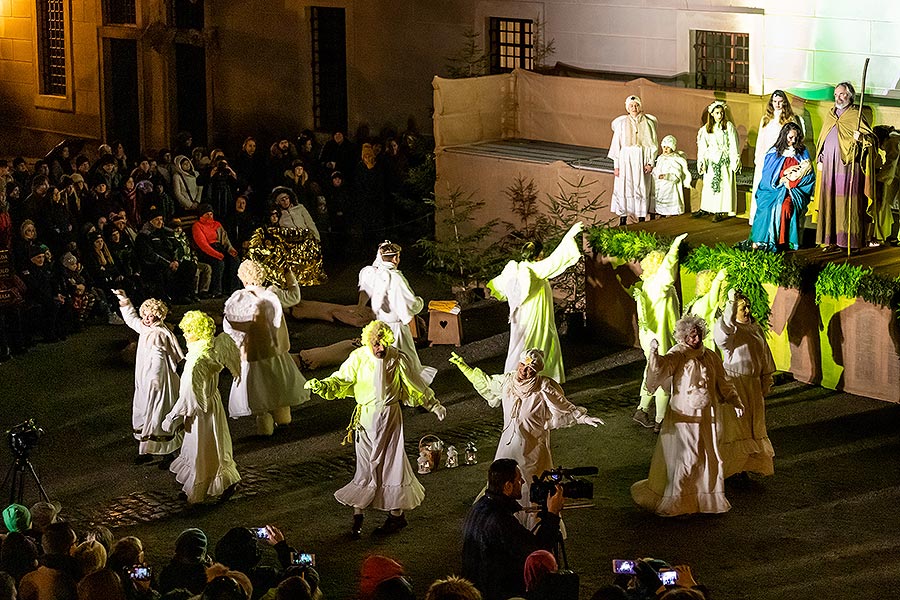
(495, 544)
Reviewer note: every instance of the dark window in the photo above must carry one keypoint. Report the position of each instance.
(722, 61)
(187, 14)
(119, 12)
(52, 47)
(329, 68)
(512, 44)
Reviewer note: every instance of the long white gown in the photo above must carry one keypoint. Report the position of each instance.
(532, 324)
(395, 304)
(633, 146)
(155, 384)
(720, 154)
(686, 469)
(669, 191)
(744, 441)
(384, 478)
(254, 318)
(206, 464)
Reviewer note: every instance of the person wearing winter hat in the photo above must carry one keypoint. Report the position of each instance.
(17, 518)
(44, 513)
(187, 569)
(375, 570)
(214, 247)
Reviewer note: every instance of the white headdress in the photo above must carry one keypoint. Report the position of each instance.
(670, 142)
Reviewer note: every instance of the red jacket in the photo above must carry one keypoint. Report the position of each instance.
(206, 233)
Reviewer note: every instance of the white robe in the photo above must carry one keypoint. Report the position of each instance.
(270, 379)
(744, 442)
(633, 146)
(670, 176)
(155, 384)
(527, 419)
(394, 303)
(686, 469)
(719, 155)
(206, 466)
(384, 478)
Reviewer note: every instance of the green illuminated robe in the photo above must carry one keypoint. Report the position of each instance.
(526, 287)
(707, 307)
(384, 478)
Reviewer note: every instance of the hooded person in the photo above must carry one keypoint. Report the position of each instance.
(375, 570)
(187, 569)
(270, 382)
(185, 186)
(670, 176)
(393, 301)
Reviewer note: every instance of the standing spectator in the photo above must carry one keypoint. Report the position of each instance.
(846, 158)
(633, 150)
(221, 186)
(129, 200)
(293, 214)
(156, 380)
(20, 172)
(206, 465)
(185, 187)
(670, 176)
(369, 198)
(339, 153)
(718, 161)
(240, 227)
(14, 202)
(270, 382)
(250, 166)
(524, 284)
(55, 222)
(164, 166)
(743, 440)
(214, 247)
(36, 201)
(297, 179)
(686, 471)
(105, 167)
(184, 143)
(778, 114)
(380, 378)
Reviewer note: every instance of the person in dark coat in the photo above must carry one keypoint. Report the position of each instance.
(166, 277)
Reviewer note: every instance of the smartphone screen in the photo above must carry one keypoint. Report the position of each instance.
(623, 566)
(140, 572)
(261, 533)
(668, 576)
(303, 559)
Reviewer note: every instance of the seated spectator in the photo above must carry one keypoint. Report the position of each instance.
(293, 588)
(123, 252)
(375, 570)
(20, 172)
(538, 566)
(187, 569)
(229, 585)
(396, 588)
(239, 550)
(90, 556)
(44, 300)
(26, 242)
(102, 269)
(18, 555)
(17, 518)
(185, 253)
(101, 584)
(273, 217)
(297, 180)
(102, 534)
(240, 226)
(453, 588)
(55, 222)
(130, 202)
(57, 574)
(293, 214)
(84, 299)
(215, 248)
(165, 277)
(7, 587)
(125, 554)
(185, 187)
(101, 202)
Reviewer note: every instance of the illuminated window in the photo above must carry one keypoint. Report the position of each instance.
(512, 44)
(329, 68)
(119, 12)
(722, 61)
(51, 47)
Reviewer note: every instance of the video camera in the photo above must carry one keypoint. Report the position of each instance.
(572, 487)
(23, 438)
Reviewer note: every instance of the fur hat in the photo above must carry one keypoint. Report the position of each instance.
(633, 98)
(44, 513)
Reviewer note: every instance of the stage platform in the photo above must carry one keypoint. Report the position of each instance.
(839, 343)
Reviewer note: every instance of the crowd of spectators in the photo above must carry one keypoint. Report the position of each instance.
(174, 224)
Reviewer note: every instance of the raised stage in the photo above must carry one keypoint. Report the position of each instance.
(840, 343)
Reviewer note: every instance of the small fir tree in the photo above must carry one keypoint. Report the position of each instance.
(470, 60)
(532, 225)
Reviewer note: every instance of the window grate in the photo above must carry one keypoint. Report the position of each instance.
(511, 44)
(329, 68)
(119, 12)
(722, 61)
(52, 47)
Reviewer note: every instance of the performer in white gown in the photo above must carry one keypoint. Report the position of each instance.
(718, 162)
(393, 301)
(155, 379)
(533, 405)
(744, 441)
(670, 176)
(524, 284)
(633, 151)
(380, 378)
(206, 465)
(270, 382)
(686, 469)
(778, 114)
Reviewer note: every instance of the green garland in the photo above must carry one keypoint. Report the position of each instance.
(749, 269)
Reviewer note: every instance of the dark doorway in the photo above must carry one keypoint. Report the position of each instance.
(190, 90)
(122, 105)
(329, 68)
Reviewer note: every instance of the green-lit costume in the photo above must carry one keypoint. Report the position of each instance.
(709, 303)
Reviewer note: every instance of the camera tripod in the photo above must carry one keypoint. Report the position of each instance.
(16, 477)
(558, 550)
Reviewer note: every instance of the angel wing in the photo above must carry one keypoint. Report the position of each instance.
(226, 352)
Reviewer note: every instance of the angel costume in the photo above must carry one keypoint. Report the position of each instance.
(395, 304)
(670, 176)
(743, 441)
(155, 383)
(531, 324)
(686, 471)
(633, 146)
(718, 159)
(384, 478)
(270, 382)
(710, 298)
(206, 465)
(531, 409)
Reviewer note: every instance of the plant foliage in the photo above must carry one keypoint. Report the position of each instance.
(469, 61)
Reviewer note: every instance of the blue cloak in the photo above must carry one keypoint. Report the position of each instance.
(769, 197)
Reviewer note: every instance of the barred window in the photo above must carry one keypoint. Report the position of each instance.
(119, 12)
(512, 44)
(329, 68)
(51, 47)
(722, 61)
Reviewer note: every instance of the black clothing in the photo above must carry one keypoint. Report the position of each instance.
(177, 574)
(156, 250)
(495, 545)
